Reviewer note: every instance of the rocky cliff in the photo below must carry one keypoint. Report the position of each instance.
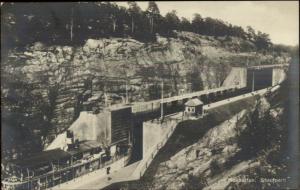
(49, 86)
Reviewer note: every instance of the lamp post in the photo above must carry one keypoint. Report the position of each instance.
(52, 165)
(253, 81)
(162, 100)
(71, 24)
(126, 100)
(105, 96)
(28, 178)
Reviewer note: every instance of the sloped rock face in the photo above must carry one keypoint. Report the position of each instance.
(53, 84)
(217, 145)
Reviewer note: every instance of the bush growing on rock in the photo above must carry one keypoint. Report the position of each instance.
(194, 182)
(215, 167)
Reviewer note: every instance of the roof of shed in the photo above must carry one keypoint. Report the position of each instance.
(193, 102)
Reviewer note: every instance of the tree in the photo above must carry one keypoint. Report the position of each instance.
(251, 33)
(212, 27)
(215, 167)
(134, 10)
(172, 21)
(9, 36)
(261, 132)
(238, 32)
(221, 71)
(194, 77)
(262, 41)
(185, 24)
(114, 22)
(221, 29)
(152, 12)
(48, 23)
(197, 23)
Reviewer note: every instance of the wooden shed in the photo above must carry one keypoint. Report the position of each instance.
(194, 107)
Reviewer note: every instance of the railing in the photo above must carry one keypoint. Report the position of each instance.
(63, 175)
(155, 104)
(150, 158)
(268, 66)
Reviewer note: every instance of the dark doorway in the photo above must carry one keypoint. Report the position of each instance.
(262, 78)
(137, 142)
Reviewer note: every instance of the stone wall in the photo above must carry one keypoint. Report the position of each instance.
(237, 76)
(279, 75)
(153, 133)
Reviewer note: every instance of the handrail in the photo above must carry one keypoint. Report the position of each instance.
(51, 173)
(135, 105)
(157, 148)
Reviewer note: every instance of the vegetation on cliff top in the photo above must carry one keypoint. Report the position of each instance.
(74, 22)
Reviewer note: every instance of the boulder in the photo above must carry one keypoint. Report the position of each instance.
(37, 46)
(171, 164)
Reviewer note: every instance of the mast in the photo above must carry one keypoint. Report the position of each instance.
(162, 100)
(253, 80)
(105, 96)
(126, 100)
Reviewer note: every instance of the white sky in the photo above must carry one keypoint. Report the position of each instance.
(279, 19)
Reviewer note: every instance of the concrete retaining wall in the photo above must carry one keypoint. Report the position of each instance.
(159, 135)
(237, 76)
(153, 133)
(278, 76)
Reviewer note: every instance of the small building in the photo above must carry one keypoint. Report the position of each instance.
(39, 163)
(194, 107)
(84, 149)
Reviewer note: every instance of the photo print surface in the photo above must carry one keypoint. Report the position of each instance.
(151, 95)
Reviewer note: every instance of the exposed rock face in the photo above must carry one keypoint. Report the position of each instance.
(57, 81)
(217, 145)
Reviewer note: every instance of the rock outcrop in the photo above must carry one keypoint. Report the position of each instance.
(53, 84)
(217, 145)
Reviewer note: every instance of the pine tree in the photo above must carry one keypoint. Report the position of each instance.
(134, 10)
(152, 12)
(172, 21)
(197, 23)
